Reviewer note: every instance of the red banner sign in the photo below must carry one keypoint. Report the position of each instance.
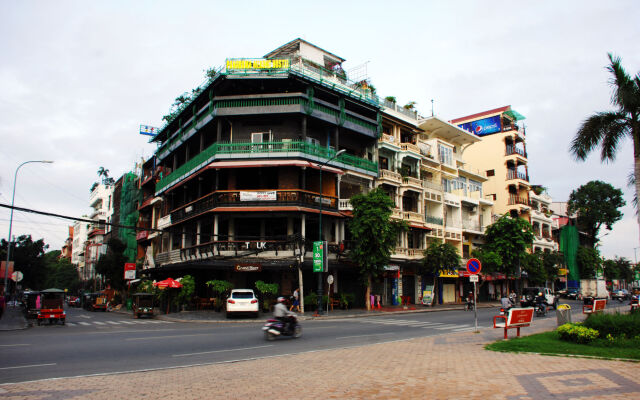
(521, 316)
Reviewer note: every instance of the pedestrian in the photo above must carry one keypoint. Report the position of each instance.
(296, 301)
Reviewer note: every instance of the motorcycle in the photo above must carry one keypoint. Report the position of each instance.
(275, 327)
(540, 310)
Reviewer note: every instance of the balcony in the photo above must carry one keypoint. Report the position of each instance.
(433, 220)
(387, 139)
(515, 199)
(284, 149)
(511, 150)
(471, 225)
(345, 205)
(390, 176)
(517, 175)
(396, 213)
(412, 216)
(412, 182)
(430, 184)
(237, 198)
(390, 104)
(410, 147)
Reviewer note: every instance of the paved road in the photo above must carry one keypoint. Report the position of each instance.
(96, 343)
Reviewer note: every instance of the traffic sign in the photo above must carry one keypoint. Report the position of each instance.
(473, 278)
(474, 266)
(17, 276)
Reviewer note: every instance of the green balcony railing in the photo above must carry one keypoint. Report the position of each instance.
(208, 155)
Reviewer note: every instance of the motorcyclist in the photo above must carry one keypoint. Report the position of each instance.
(470, 301)
(281, 313)
(506, 302)
(541, 302)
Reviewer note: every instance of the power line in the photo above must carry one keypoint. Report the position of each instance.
(28, 210)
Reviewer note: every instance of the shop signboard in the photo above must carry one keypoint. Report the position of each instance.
(244, 64)
(248, 267)
(483, 127)
(258, 196)
(129, 271)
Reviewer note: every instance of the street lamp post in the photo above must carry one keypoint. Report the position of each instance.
(320, 290)
(13, 197)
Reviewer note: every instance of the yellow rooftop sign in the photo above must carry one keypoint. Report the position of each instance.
(256, 63)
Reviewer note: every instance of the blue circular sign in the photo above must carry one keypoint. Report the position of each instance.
(474, 266)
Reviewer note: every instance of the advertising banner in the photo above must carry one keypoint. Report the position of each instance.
(483, 127)
(258, 196)
(149, 130)
(130, 271)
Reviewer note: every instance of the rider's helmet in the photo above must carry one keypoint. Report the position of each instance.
(280, 299)
(539, 293)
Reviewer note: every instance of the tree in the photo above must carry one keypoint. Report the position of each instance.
(28, 257)
(375, 236)
(589, 261)
(596, 203)
(438, 258)
(608, 128)
(111, 265)
(618, 268)
(509, 238)
(62, 274)
(532, 264)
(551, 261)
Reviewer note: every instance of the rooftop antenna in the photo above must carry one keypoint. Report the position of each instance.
(432, 107)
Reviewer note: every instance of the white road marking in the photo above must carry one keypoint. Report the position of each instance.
(84, 323)
(29, 366)
(99, 323)
(221, 351)
(113, 323)
(169, 337)
(14, 345)
(373, 334)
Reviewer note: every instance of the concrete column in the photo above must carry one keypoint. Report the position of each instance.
(198, 231)
(336, 230)
(304, 128)
(289, 226)
(184, 237)
(201, 142)
(232, 228)
(303, 225)
(215, 228)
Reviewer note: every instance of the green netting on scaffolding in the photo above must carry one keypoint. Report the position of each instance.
(569, 242)
(129, 199)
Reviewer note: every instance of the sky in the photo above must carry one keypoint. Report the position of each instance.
(78, 78)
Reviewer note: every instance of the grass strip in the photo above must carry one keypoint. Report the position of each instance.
(550, 343)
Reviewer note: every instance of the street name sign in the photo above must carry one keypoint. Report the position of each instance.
(473, 278)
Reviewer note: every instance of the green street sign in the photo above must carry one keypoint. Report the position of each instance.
(318, 256)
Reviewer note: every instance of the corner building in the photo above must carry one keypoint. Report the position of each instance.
(238, 171)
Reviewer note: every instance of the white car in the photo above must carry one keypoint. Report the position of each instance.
(242, 301)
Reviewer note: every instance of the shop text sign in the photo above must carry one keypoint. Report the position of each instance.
(130, 271)
(256, 63)
(248, 267)
(258, 196)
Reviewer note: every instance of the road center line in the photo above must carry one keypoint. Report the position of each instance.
(29, 366)
(373, 334)
(220, 351)
(169, 337)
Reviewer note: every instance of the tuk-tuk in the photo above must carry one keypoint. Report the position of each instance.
(95, 301)
(142, 304)
(29, 302)
(51, 307)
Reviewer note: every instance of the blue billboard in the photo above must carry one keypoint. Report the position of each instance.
(483, 127)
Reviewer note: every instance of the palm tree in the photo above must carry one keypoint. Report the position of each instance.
(609, 128)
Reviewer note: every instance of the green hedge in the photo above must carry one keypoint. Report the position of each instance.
(577, 333)
(616, 325)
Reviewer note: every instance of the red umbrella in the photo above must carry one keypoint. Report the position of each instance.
(168, 283)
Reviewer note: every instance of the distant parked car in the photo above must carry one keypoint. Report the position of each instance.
(74, 301)
(620, 295)
(242, 301)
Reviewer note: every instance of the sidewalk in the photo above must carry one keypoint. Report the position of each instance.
(452, 366)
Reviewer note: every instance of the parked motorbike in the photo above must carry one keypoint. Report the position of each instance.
(275, 327)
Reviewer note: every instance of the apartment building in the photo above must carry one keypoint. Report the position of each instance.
(422, 169)
(542, 221)
(501, 156)
(101, 202)
(240, 168)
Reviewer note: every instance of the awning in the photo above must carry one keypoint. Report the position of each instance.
(514, 114)
(426, 228)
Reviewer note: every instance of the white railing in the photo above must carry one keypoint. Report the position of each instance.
(345, 205)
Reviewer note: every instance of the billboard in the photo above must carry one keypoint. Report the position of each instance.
(483, 127)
